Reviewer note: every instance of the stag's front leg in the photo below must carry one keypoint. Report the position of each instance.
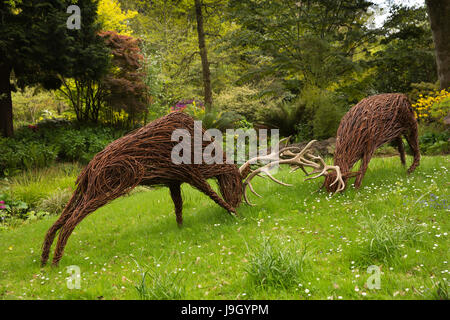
(204, 187)
(175, 192)
(362, 170)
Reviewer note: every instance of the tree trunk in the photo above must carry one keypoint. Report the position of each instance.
(6, 116)
(439, 13)
(204, 55)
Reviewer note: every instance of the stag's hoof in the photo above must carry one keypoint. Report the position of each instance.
(55, 261)
(233, 213)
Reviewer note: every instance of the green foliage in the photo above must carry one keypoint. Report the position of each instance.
(433, 143)
(11, 206)
(298, 41)
(35, 194)
(315, 113)
(422, 89)
(13, 212)
(326, 110)
(36, 185)
(221, 120)
(34, 104)
(441, 109)
(244, 100)
(37, 44)
(326, 121)
(16, 156)
(40, 146)
(112, 17)
(152, 77)
(406, 53)
(288, 117)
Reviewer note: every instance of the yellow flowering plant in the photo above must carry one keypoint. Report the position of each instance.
(433, 106)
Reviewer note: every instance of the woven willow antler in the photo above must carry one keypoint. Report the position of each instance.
(298, 160)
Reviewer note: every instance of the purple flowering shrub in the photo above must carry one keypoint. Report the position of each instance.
(193, 107)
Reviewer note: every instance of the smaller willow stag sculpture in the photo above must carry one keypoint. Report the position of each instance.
(371, 123)
(143, 157)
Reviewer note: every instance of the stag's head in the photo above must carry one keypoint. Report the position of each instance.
(295, 157)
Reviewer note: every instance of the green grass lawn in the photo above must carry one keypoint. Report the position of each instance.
(294, 244)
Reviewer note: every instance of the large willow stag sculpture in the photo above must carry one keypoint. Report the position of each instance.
(371, 123)
(143, 157)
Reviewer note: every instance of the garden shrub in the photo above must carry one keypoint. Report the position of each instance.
(221, 120)
(242, 100)
(39, 146)
(216, 118)
(326, 109)
(14, 212)
(326, 120)
(33, 104)
(16, 156)
(316, 113)
(432, 143)
(11, 206)
(287, 117)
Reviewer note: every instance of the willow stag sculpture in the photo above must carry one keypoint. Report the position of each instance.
(143, 157)
(371, 123)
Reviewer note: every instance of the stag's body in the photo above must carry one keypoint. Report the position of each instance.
(142, 157)
(371, 123)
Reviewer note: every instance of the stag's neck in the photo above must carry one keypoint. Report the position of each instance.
(244, 171)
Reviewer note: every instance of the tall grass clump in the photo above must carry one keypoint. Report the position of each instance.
(385, 238)
(55, 202)
(160, 286)
(439, 290)
(33, 185)
(273, 265)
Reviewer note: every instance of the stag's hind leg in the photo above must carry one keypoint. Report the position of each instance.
(413, 142)
(50, 237)
(65, 233)
(81, 212)
(401, 150)
(51, 233)
(175, 192)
